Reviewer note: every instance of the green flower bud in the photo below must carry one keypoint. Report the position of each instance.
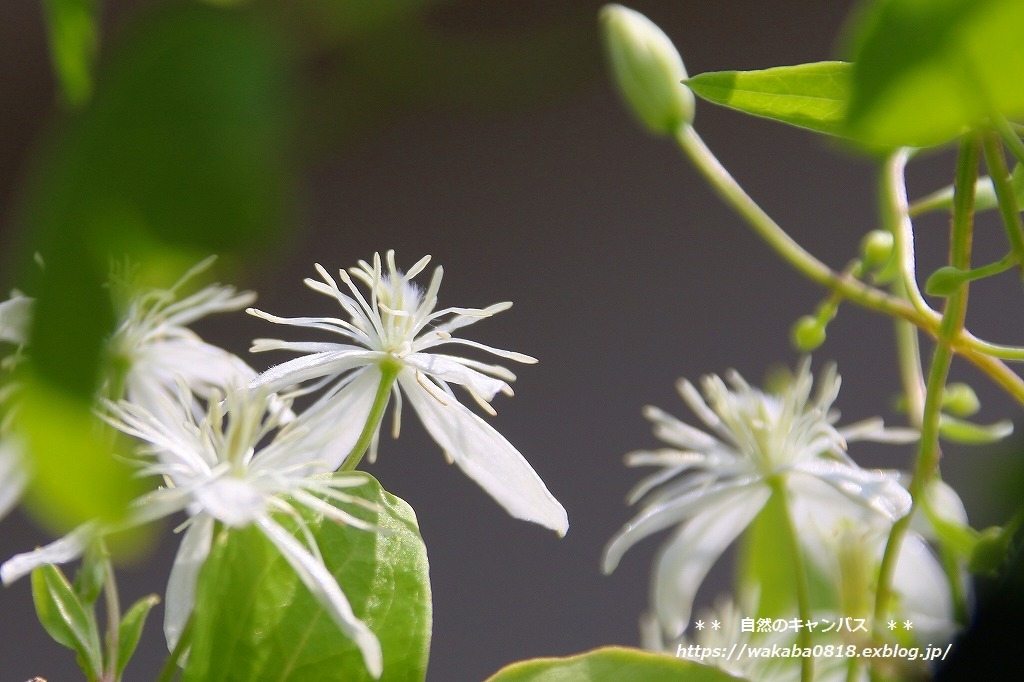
(647, 69)
(808, 333)
(960, 400)
(876, 248)
(945, 281)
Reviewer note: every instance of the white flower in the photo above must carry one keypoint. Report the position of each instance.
(217, 472)
(390, 334)
(152, 345)
(713, 486)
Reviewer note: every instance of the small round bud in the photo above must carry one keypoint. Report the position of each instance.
(808, 333)
(945, 281)
(876, 248)
(960, 400)
(647, 69)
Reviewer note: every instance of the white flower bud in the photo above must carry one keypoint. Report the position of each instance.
(647, 69)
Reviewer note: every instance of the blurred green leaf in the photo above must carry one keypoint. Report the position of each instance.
(611, 664)
(928, 70)
(131, 629)
(73, 35)
(255, 620)
(968, 433)
(75, 477)
(812, 96)
(65, 618)
(181, 151)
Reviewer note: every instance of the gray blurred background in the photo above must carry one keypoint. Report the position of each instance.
(626, 273)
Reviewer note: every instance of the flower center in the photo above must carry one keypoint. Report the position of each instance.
(399, 301)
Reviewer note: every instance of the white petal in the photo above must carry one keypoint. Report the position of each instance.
(485, 456)
(67, 548)
(871, 487)
(181, 585)
(326, 591)
(312, 366)
(685, 560)
(665, 513)
(203, 366)
(923, 589)
(450, 370)
(327, 431)
(231, 500)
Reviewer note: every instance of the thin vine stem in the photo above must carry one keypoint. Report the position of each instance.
(803, 261)
(1008, 209)
(953, 316)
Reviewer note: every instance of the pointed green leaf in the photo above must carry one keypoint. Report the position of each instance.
(611, 664)
(65, 618)
(255, 620)
(812, 96)
(928, 71)
(131, 629)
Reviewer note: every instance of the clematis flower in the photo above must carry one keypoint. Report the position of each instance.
(216, 471)
(152, 346)
(712, 486)
(389, 344)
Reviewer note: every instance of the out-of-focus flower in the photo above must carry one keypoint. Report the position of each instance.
(712, 486)
(152, 346)
(391, 337)
(216, 471)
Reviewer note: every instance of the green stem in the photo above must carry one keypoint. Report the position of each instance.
(388, 373)
(1008, 209)
(1000, 266)
(777, 238)
(803, 587)
(983, 354)
(896, 213)
(908, 355)
(113, 604)
(952, 323)
(1010, 137)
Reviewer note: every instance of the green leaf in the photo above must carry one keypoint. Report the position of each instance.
(945, 281)
(182, 148)
(71, 25)
(611, 664)
(131, 629)
(812, 96)
(927, 71)
(255, 620)
(65, 618)
(75, 478)
(968, 433)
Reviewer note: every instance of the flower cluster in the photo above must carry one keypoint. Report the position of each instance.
(713, 485)
(230, 450)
